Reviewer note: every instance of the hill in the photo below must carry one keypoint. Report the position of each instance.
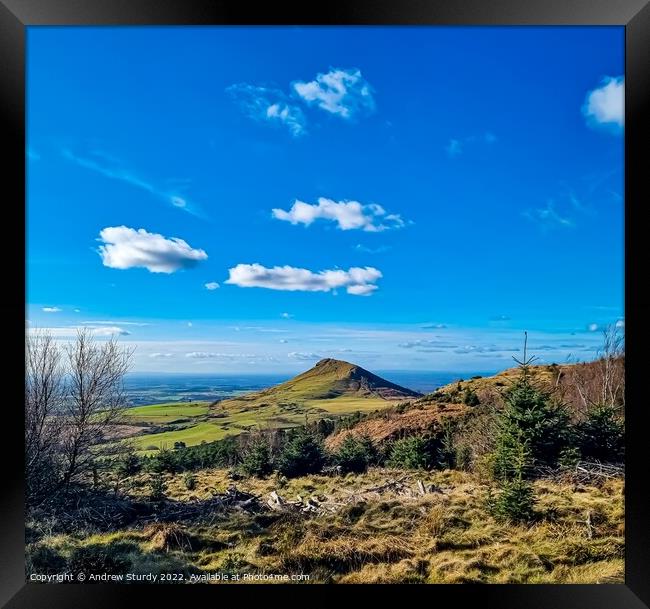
(331, 388)
(329, 380)
(473, 401)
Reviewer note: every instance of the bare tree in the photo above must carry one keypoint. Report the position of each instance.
(602, 382)
(44, 391)
(94, 399)
(612, 367)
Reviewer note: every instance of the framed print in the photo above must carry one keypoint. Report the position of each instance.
(329, 297)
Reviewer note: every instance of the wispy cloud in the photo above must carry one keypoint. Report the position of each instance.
(268, 105)
(160, 355)
(125, 248)
(344, 93)
(304, 357)
(212, 285)
(605, 105)
(51, 310)
(348, 215)
(357, 281)
(456, 146)
(372, 250)
(71, 331)
(103, 322)
(286, 315)
(548, 217)
(110, 168)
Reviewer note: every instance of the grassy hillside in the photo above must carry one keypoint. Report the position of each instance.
(473, 401)
(331, 388)
(373, 536)
(329, 379)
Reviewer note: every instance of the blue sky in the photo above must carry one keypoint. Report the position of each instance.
(253, 199)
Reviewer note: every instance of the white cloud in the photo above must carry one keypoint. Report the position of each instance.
(189, 324)
(212, 285)
(593, 327)
(344, 93)
(51, 310)
(349, 215)
(357, 280)
(304, 356)
(126, 248)
(283, 341)
(77, 310)
(620, 323)
(201, 355)
(286, 315)
(160, 355)
(606, 104)
(362, 290)
(268, 105)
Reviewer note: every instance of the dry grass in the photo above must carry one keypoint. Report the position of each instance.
(441, 537)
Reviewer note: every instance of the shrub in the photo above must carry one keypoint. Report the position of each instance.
(601, 435)
(463, 457)
(355, 454)
(569, 457)
(470, 398)
(129, 465)
(411, 453)
(158, 487)
(302, 454)
(164, 461)
(189, 479)
(98, 558)
(256, 460)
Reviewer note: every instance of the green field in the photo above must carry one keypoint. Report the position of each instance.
(166, 413)
(348, 405)
(201, 432)
(217, 423)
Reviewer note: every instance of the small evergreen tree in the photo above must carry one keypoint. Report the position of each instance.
(447, 450)
(128, 465)
(158, 487)
(355, 454)
(601, 435)
(164, 460)
(411, 453)
(523, 434)
(302, 454)
(256, 459)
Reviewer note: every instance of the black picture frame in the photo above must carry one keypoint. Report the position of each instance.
(16, 15)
